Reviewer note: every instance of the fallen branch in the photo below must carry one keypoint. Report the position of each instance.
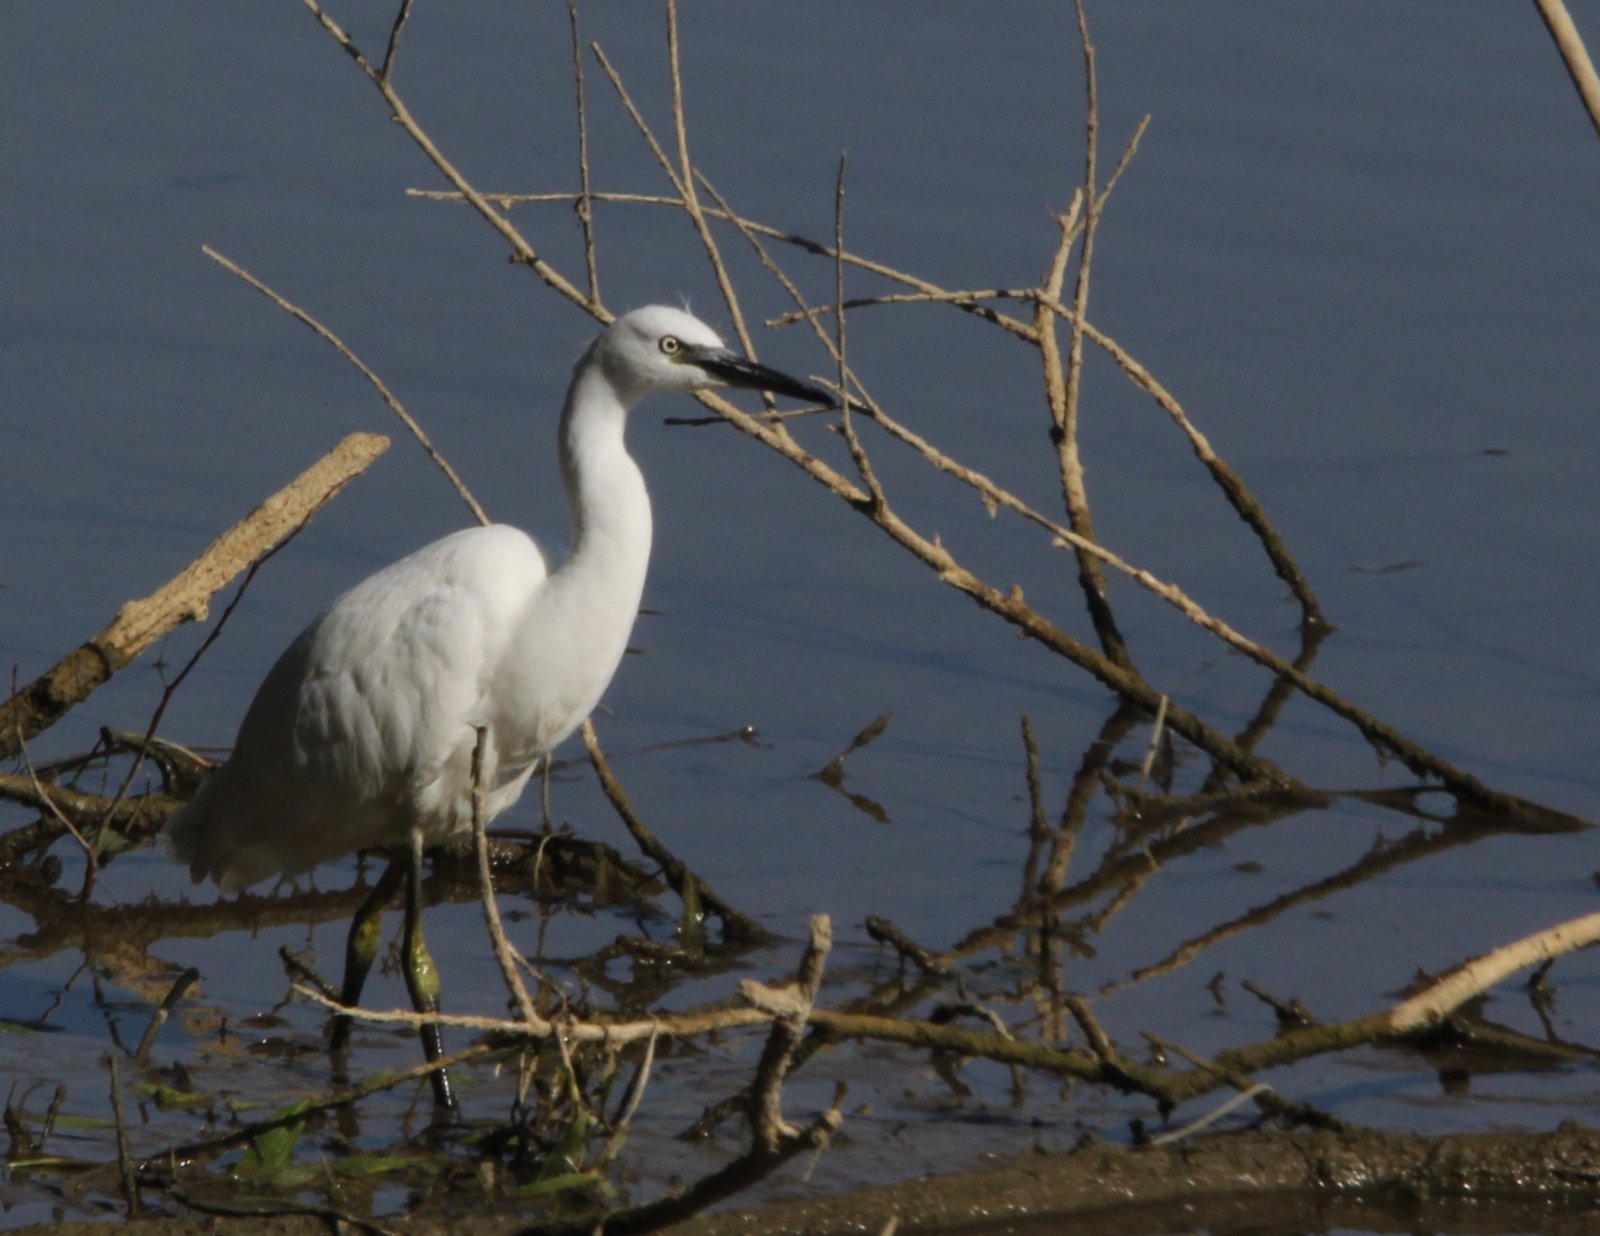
(1472, 977)
(138, 624)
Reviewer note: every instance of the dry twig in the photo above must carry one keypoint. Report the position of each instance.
(339, 346)
(503, 952)
(1575, 55)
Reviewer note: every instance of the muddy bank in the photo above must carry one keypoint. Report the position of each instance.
(1378, 1181)
(1368, 1181)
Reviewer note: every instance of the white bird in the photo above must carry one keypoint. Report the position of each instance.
(363, 733)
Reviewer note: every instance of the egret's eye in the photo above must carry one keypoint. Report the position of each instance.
(670, 345)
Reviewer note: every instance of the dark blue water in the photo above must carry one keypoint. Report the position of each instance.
(1357, 243)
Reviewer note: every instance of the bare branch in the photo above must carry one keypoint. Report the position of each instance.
(734, 923)
(378, 384)
(858, 453)
(585, 201)
(503, 952)
(138, 624)
(393, 50)
(1575, 55)
(1478, 975)
(521, 250)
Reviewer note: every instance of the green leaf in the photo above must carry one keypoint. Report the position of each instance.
(544, 1186)
(171, 1099)
(54, 1161)
(66, 1120)
(268, 1156)
(375, 1164)
(566, 1157)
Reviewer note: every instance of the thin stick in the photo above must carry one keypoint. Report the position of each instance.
(641, 124)
(1156, 729)
(378, 384)
(970, 295)
(681, 173)
(885, 932)
(1576, 56)
(175, 993)
(774, 419)
(386, 70)
(674, 1025)
(167, 693)
(735, 924)
(630, 1104)
(793, 1009)
(491, 910)
(585, 203)
(521, 250)
(125, 1170)
(1212, 1116)
(44, 800)
(1012, 325)
(1099, 1041)
(1232, 485)
(684, 182)
(858, 453)
(1065, 388)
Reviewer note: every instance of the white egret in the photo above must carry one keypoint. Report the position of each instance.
(363, 733)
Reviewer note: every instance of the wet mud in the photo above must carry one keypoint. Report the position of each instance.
(1251, 1182)
(1362, 1181)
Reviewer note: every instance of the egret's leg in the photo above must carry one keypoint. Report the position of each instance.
(422, 980)
(361, 948)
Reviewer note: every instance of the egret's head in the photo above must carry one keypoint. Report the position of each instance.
(659, 348)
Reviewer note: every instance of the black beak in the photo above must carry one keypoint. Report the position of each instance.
(736, 370)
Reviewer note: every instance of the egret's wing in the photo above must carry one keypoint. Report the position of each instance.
(363, 728)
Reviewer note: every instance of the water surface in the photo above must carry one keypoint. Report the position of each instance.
(1356, 243)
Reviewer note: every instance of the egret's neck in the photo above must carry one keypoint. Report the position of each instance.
(605, 490)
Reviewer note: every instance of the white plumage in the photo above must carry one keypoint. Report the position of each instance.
(364, 728)
(362, 734)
